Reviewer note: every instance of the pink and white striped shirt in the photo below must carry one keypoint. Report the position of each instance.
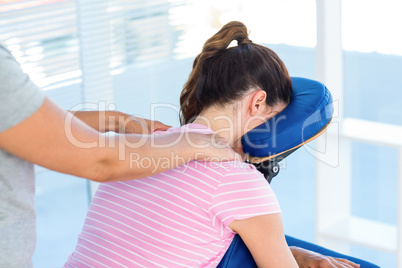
(179, 218)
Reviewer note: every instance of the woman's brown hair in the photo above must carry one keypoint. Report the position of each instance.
(221, 75)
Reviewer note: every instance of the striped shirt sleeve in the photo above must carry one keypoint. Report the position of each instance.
(243, 193)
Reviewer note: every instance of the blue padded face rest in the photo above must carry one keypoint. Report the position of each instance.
(309, 110)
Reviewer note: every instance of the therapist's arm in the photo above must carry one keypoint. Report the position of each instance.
(264, 237)
(55, 139)
(105, 121)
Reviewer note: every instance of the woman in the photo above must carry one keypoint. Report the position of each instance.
(188, 216)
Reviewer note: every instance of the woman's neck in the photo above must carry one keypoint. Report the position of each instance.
(225, 122)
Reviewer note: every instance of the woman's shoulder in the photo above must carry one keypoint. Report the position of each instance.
(226, 168)
(238, 166)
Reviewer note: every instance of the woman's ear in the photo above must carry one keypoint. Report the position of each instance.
(257, 102)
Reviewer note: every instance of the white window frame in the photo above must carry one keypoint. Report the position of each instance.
(336, 228)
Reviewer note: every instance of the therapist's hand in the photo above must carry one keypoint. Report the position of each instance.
(137, 125)
(309, 259)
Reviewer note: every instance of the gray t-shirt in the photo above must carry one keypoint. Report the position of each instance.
(19, 98)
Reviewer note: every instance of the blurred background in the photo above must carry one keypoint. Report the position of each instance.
(342, 191)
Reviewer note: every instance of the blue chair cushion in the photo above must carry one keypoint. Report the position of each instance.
(309, 112)
(237, 255)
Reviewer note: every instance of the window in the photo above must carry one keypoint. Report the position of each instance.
(372, 60)
(43, 37)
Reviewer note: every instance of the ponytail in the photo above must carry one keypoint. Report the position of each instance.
(221, 75)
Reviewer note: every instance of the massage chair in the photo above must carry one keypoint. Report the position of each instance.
(307, 116)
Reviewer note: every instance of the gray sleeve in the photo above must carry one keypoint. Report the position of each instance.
(19, 96)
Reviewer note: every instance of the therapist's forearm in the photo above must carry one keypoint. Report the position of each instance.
(145, 155)
(57, 140)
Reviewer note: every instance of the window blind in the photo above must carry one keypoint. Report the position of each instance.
(43, 37)
(78, 50)
(64, 42)
(142, 31)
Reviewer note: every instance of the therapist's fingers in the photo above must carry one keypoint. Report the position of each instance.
(134, 126)
(157, 126)
(137, 125)
(152, 125)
